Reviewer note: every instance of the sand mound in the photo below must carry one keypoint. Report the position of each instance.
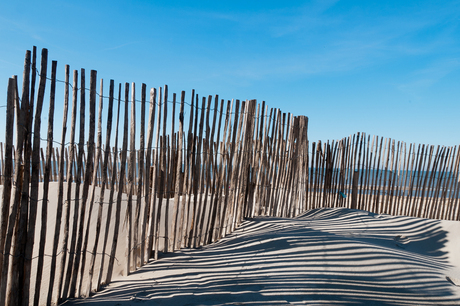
(324, 256)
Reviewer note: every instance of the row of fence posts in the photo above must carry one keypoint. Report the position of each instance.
(381, 175)
(182, 188)
(187, 188)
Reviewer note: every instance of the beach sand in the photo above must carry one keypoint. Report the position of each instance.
(323, 257)
(119, 267)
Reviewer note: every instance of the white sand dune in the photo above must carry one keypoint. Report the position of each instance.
(326, 256)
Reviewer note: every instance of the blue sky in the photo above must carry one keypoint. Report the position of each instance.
(387, 68)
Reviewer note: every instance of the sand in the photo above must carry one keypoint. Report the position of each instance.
(119, 267)
(326, 256)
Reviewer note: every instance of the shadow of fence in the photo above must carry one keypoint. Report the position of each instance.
(324, 257)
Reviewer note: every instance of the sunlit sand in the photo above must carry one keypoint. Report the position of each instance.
(325, 256)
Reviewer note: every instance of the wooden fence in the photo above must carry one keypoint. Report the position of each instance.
(384, 176)
(68, 216)
(91, 208)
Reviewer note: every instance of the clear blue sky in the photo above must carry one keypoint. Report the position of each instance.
(387, 68)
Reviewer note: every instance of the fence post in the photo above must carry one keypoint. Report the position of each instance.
(6, 196)
(354, 192)
(60, 196)
(47, 175)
